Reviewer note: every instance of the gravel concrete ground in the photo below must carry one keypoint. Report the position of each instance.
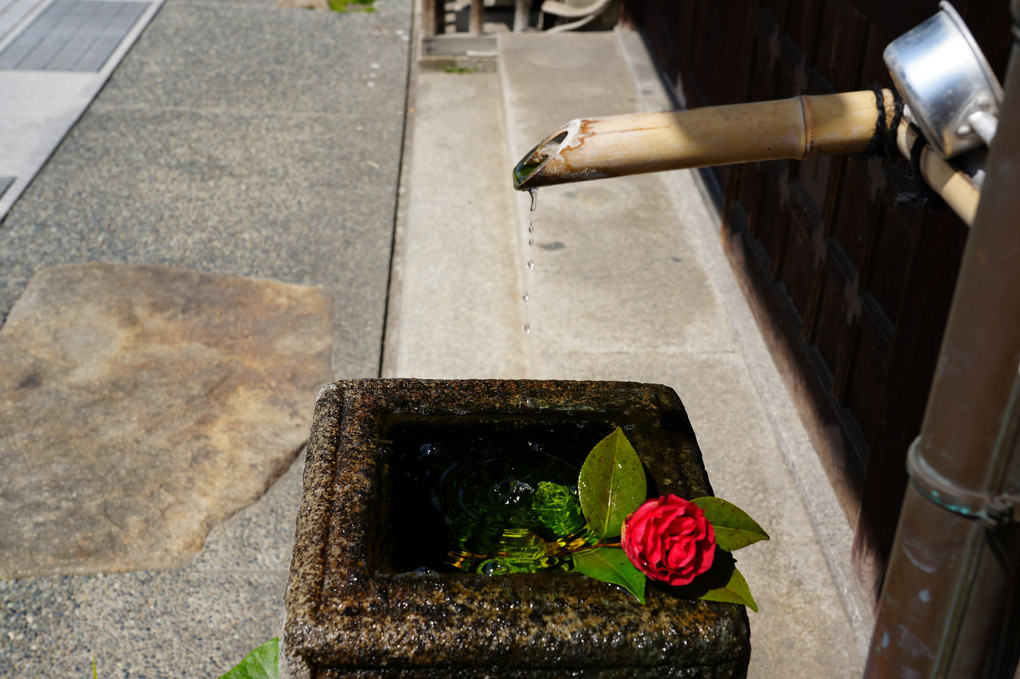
(236, 138)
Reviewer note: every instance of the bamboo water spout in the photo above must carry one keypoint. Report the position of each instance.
(802, 127)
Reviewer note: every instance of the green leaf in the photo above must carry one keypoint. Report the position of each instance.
(733, 527)
(611, 484)
(610, 564)
(735, 591)
(557, 508)
(262, 663)
(722, 582)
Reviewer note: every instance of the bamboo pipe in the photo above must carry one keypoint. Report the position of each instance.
(802, 127)
(951, 184)
(798, 128)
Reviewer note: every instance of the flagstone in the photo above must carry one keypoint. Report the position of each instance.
(141, 405)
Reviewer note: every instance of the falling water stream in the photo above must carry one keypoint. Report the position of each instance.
(529, 260)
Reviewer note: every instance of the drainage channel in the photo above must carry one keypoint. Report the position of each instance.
(55, 56)
(5, 183)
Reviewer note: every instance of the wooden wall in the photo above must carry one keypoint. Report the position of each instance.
(849, 275)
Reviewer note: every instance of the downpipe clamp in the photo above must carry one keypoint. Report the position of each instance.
(993, 510)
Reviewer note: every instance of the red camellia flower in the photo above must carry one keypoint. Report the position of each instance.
(669, 539)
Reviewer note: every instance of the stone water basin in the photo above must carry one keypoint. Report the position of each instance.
(366, 598)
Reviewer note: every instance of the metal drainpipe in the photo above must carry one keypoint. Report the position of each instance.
(949, 607)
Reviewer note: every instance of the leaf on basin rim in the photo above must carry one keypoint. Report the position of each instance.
(722, 582)
(733, 527)
(610, 564)
(261, 663)
(735, 591)
(611, 484)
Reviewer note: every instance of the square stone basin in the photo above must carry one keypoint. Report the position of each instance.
(361, 603)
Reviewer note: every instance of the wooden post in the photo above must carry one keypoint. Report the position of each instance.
(522, 15)
(432, 18)
(477, 17)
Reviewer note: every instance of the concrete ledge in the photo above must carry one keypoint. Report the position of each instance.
(832, 529)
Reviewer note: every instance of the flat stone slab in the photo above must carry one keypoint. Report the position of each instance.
(140, 405)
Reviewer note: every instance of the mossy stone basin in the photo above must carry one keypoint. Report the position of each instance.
(356, 607)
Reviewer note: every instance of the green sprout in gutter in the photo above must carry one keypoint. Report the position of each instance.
(351, 5)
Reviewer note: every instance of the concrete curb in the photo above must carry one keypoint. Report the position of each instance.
(832, 529)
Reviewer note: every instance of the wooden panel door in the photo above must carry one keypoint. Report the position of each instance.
(850, 275)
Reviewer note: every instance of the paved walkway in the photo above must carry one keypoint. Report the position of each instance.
(234, 138)
(620, 279)
(237, 137)
(55, 56)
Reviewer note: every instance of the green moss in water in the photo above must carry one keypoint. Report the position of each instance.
(463, 490)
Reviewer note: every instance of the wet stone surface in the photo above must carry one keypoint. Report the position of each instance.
(141, 405)
(350, 612)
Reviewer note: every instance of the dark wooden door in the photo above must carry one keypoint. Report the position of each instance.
(850, 275)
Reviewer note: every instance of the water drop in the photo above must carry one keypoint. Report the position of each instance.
(527, 328)
(534, 198)
(531, 264)
(524, 295)
(493, 567)
(531, 242)
(531, 227)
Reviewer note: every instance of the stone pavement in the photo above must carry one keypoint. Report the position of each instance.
(116, 467)
(239, 138)
(225, 144)
(234, 139)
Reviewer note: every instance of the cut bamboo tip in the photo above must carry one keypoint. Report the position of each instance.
(802, 127)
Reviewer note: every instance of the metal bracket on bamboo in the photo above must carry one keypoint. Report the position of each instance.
(992, 510)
